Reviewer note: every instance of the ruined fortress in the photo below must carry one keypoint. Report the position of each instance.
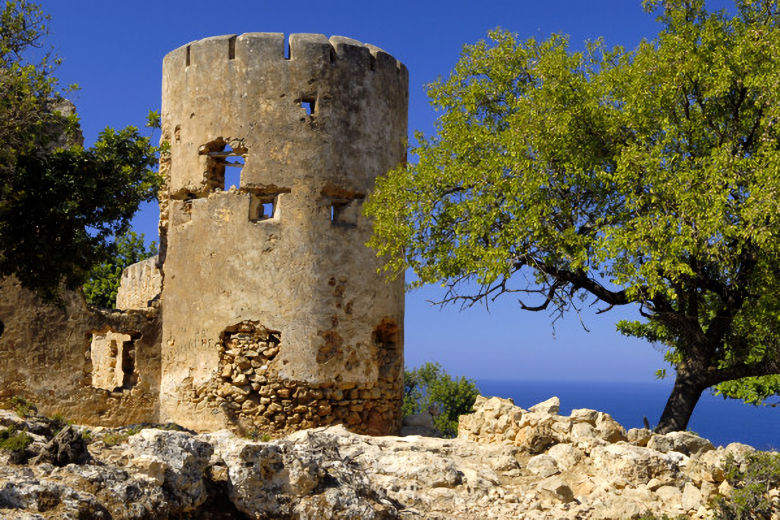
(264, 311)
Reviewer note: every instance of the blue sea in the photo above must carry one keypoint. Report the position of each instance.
(722, 421)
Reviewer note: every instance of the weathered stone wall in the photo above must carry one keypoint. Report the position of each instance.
(283, 251)
(140, 285)
(47, 356)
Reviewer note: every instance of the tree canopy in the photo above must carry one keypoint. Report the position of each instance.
(60, 204)
(646, 177)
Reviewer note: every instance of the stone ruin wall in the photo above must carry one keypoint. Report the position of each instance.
(91, 366)
(274, 316)
(140, 285)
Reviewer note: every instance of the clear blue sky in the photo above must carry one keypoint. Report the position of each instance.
(114, 51)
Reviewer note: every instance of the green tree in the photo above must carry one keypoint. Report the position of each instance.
(60, 203)
(431, 387)
(103, 281)
(648, 177)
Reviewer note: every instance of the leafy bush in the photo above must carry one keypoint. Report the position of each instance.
(752, 480)
(430, 386)
(13, 440)
(23, 407)
(57, 423)
(256, 436)
(112, 439)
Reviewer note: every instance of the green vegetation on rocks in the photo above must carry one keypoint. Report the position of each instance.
(22, 406)
(13, 440)
(430, 388)
(751, 480)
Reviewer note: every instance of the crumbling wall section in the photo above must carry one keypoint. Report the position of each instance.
(58, 355)
(140, 285)
(249, 391)
(284, 248)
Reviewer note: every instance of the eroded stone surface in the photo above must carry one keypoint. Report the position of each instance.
(140, 285)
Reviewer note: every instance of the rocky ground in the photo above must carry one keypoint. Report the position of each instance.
(506, 463)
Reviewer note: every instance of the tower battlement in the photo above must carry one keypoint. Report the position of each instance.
(263, 48)
(319, 101)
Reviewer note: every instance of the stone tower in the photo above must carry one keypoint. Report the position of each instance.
(274, 316)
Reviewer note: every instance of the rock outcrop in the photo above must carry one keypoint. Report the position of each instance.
(507, 463)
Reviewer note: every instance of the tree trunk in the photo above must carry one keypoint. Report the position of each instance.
(679, 407)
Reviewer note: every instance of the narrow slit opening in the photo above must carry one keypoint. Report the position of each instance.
(372, 62)
(287, 50)
(232, 48)
(129, 375)
(344, 212)
(187, 58)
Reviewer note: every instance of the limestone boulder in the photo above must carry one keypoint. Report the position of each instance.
(584, 415)
(536, 439)
(686, 443)
(304, 476)
(549, 407)
(566, 456)
(557, 488)
(543, 466)
(671, 496)
(183, 460)
(635, 464)
(334, 473)
(691, 498)
(491, 419)
(639, 436)
(24, 495)
(609, 429)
